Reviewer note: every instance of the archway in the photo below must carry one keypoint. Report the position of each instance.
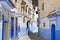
(53, 32)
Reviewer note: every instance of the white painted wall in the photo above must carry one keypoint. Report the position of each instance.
(46, 20)
(34, 26)
(23, 26)
(52, 21)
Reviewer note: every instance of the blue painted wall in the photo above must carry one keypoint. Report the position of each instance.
(57, 34)
(58, 24)
(45, 34)
(23, 31)
(58, 29)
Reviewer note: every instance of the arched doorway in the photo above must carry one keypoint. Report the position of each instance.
(53, 32)
(2, 27)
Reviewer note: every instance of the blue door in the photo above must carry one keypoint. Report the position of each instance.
(12, 27)
(2, 27)
(53, 32)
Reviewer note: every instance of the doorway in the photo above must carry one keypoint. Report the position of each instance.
(12, 27)
(53, 32)
(16, 28)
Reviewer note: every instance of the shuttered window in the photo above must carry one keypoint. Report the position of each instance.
(42, 6)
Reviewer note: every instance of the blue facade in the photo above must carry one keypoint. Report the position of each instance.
(58, 24)
(57, 35)
(45, 34)
(53, 33)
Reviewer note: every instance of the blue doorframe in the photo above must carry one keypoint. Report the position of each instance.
(12, 27)
(53, 32)
(2, 27)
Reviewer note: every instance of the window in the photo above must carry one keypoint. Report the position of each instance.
(42, 6)
(29, 11)
(44, 24)
(15, 0)
(22, 8)
(26, 8)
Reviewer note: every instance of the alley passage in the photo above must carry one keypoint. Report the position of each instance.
(31, 36)
(35, 36)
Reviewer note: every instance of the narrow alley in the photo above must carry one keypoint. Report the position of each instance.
(32, 36)
(35, 36)
(29, 19)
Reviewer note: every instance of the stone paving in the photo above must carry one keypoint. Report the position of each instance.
(31, 36)
(24, 38)
(35, 36)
